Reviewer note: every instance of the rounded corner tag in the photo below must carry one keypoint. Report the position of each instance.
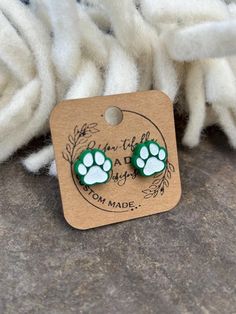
(132, 189)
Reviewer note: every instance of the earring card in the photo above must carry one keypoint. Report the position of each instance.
(77, 125)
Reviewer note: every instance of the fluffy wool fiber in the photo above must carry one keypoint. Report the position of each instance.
(52, 50)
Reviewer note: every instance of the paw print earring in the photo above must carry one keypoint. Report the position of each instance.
(149, 158)
(93, 167)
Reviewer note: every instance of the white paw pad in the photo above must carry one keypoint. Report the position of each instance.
(93, 167)
(149, 158)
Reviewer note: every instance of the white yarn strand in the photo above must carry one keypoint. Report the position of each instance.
(53, 50)
(39, 159)
(221, 93)
(20, 108)
(66, 46)
(195, 98)
(122, 74)
(27, 25)
(183, 11)
(88, 82)
(207, 40)
(166, 72)
(20, 62)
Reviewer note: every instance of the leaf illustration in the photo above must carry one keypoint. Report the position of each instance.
(171, 167)
(153, 186)
(82, 141)
(71, 139)
(76, 129)
(68, 148)
(147, 196)
(156, 181)
(147, 191)
(77, 141)
(168, 174)
(166, 183)
(92, 125)
(160, 182)
(94, 130)
(66, 156)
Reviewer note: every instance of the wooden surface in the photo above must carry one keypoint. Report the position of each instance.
(146, 116)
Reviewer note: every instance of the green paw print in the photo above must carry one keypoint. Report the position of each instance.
(149, 158)
(93, 167)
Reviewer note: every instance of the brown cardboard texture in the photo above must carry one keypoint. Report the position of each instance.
(80, 124)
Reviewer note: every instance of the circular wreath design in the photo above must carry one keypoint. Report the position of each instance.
(77, 142)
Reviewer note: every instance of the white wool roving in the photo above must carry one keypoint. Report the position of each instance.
(33, 33)
(195, 98)
(184, 11)
(52, 50)
(206, 40)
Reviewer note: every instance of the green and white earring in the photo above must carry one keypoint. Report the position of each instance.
(93, 167)
(149, 158)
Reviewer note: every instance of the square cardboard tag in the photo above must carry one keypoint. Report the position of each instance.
(80, 124)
